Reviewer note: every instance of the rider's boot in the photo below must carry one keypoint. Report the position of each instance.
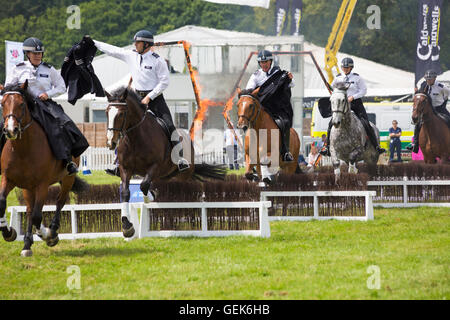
(414, 146)
(372, 137)
(71, 167)
(286, 155)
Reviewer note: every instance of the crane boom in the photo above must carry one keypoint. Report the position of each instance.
(336, 36)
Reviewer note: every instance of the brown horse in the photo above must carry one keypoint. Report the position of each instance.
(252, 115)
(143, 148)
(434, 137)
(27, 162)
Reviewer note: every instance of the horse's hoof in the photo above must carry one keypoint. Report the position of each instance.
(26, 253)
(127, 228)
(52, 242)
(10, 236)
(44, 233)
(128, 233)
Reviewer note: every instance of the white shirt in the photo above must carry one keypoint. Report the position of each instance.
(357, 87)
(41, 79)
(230, 140)
(438, 93)
(259, 77)
(149, 71)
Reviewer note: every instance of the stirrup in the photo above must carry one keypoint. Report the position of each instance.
(71, 168)
(287, 157)
(113, 172)
(325, 152)
(380, 150)
(183, 164)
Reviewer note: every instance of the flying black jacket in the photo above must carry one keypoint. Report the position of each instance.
(275, 96)
(78, 73)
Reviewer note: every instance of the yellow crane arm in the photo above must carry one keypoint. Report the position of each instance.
(336, 36)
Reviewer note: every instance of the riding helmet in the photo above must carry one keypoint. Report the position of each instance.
(265, 55)
(145, 36)
(347, 63)
(430, 74)
(33, 45)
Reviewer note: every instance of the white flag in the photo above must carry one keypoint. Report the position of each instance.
(252, 3)
(14, 54)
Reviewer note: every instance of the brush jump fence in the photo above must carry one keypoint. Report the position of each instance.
(411, 193)
(158, 219)
(320, 205)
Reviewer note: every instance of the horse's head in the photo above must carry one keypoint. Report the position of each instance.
(248, 108)
(15, 112)
(116, 114)
(420, 102)
(339, 106)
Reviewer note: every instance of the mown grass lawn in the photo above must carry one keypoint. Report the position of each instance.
(301, 260)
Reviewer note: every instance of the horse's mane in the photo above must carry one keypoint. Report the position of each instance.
(247, 92)
(424, 91)
(16, 87)
(118, 94)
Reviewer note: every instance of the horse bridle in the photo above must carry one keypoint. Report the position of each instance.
(253, 111)
(346, 104)
(121, 131)
(18, 119)
(420, 117)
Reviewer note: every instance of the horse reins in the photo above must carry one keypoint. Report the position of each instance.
(121, 131)
(18, 119)
(420, 117)
(253, 111)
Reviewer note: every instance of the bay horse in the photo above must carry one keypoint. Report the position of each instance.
(27, 162)
(434, 136)
(348, 138)
(251, 114)
(143, 148)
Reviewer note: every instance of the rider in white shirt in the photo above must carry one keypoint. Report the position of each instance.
(44, 82)
(150, 75)
(439, 93)
(281, 118)
(355, 92)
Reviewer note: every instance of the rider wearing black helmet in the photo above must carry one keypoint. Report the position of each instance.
(44, 82)
(439, 94)
(282, 119)
(355, 92)
(150, 76)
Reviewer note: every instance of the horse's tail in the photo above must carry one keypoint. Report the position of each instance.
(80, 185)
(205, 170)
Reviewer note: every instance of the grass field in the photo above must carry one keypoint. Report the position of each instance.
(301, 260)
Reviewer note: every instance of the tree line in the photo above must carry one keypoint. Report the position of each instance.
(117, 21)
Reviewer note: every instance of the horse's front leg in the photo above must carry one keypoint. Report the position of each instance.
(9, 234)
(337, 167)
(146, 184)
(35, 218)
(127, 226)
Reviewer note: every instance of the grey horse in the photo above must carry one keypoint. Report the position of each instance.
(348, 139)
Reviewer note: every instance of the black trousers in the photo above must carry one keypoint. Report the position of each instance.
(284, 123)
(159, 107)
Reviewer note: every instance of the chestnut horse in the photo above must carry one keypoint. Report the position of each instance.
(434, 137)
(252, 115)
(143, 148)
(27, 162)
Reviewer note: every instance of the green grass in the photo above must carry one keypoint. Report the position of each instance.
(301, 260)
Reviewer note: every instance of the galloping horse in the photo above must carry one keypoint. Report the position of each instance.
(252, 115)
(434, 137)
(348, 138)
(28, 163)
(143, 148)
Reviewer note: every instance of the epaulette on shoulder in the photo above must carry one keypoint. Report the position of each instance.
(155, 55)
(356, 74)
(440, 85)
(20, 64)
(47, 65)
(338, 75)
(256, 72)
